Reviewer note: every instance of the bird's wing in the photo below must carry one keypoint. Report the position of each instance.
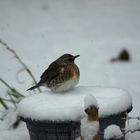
(52, 72)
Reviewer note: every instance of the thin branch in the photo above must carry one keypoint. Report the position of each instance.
(3, 104)
(137, 118)
(7, 100)
(12, 100)
(17, 122)
(15, 94)
(17, 76)
(21, 62)
(12, 89)
(131, 118)
(125, 131)
(132, 131)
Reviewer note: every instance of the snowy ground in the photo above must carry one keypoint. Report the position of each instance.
(41, 31)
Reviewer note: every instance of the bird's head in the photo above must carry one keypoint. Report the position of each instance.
(92, 112)
(67, 58)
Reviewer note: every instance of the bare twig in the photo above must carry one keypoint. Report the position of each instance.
(21, 62)
(125, 131)
(3, 104)
(131, 118)
(12, 100)
(132, 131)
(137, 118)
(7, 100)
(14, 91)
(17, 76)
(17, 122)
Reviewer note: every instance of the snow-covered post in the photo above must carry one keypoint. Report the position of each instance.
(90, 123)
(54, 116)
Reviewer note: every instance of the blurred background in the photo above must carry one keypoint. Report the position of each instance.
(41, 31)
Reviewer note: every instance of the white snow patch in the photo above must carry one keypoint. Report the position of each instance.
(133, 127)
(112, 131)
(90, 100)
(70, 105)
(9, 119)
(20, 133)
(132, 136)
(89, 129)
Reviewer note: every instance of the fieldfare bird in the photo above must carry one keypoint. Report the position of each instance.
(61, 75)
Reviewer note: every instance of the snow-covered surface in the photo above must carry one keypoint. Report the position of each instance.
(132, 125)
(10, 118)
(112, 131)
(42, 30)
(14, 134)
(90, 100)
(21, 133)
(89, 129)
(70, 105)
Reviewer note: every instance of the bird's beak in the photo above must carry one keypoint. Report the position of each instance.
(76, 56)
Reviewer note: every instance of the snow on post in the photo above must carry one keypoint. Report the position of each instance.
(89, 129)
(90, 123)
(112, 132)
(70, 105)
(90, 100)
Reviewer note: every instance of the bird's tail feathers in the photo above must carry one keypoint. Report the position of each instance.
(36, 86)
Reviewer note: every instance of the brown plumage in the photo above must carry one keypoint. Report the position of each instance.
(61, 75)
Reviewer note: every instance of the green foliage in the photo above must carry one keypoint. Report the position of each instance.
(14, 95)
(3, 103)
